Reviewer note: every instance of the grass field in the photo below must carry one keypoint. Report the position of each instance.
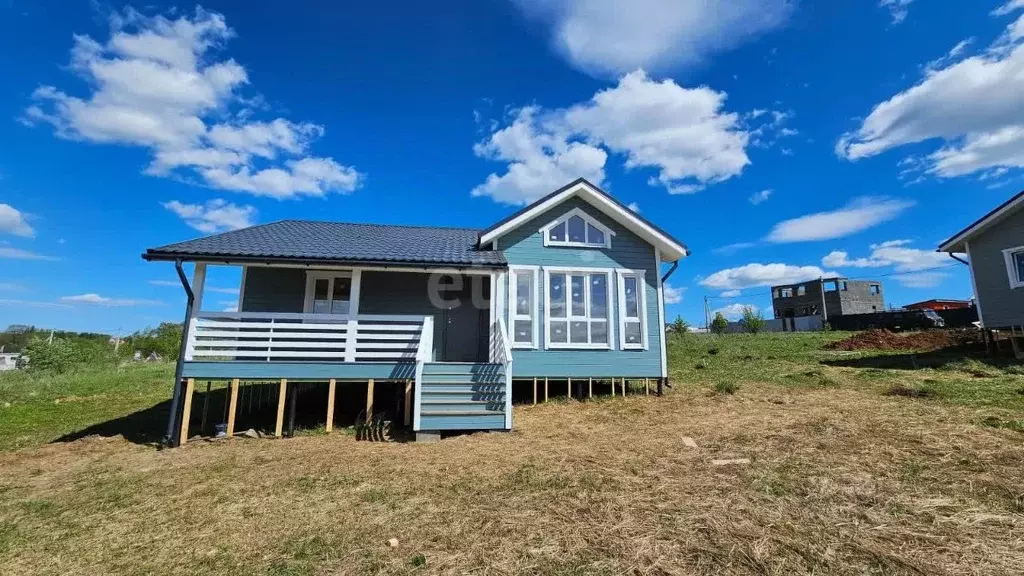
(860, 463)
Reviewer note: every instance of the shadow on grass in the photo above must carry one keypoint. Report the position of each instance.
(972, 359)
(145, 426)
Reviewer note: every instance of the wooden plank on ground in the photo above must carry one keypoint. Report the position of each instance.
(332, 384)
(186, 412)
(232, 408)
(281, 395)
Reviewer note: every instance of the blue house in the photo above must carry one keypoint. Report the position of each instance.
(568, 289)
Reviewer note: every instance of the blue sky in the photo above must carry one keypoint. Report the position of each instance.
(779, 139)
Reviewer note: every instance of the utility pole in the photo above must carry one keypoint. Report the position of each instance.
(49, 340)
(707, 314)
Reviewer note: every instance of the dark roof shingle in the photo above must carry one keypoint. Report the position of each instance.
(338, 242)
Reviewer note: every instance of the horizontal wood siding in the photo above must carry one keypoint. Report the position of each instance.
(400, 293)
(525, 246)
(273, 289)
(1001, 307)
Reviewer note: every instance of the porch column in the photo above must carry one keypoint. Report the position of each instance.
(198, 282)
(353, 312)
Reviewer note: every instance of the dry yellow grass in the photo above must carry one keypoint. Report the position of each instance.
(843, 480)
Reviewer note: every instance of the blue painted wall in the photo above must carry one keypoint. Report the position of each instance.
(525, 246)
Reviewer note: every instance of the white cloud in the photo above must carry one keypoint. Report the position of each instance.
(755, 274)
(98, 300)
(13, 222)
(759, 197)
(683, 133)
(893, 253)
(730, 294)
(673, 295)
(214, 216)
(609, 37)
(970, 104)
(734, 311)
(897, 8)
(31, 303)
(634, 207)
(861, 214)
(1010, 7)
(921, 279)
(20, 254)
(730, 249)
(11, 287)
(157, 83)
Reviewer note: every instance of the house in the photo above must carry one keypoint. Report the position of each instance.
(838, 295)
(568, 288)
(8, 361)
(938, 304)
(994, 245)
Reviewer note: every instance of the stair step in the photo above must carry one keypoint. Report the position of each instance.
(464, 413)
(460, 402)
(462, 380)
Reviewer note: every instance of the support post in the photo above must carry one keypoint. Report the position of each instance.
(408, 403)
(647, 386)
(332, 384)
(369, 400)
(613, 387)
(186, 414)
(232, 408)
(568, 387)
(535, 391)
(590, 387)
(291, 409)
(281, 395)
(545, 388)
(661, 385)
(206, 408)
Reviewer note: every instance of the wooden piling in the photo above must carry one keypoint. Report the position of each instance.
(232, 407)
(613, 387)
(186, 410)
(408, 403)
(332, 385)
(535, 391)
(545, 388)
(281, 395)
(647, 386)
(206, 408)
(590, 387)
(568, 387)
(369, 400)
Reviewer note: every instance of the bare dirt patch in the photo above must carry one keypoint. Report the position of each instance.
(886, 340)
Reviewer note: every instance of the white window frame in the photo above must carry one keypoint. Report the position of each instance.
(587, 221)
(568, 272)
(641, 302)
(513, 307)
(1011, 267)
(353, 297)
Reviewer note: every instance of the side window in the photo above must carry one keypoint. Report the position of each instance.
(523, 307)
(801, 290)
(577, 230)
(632, 317)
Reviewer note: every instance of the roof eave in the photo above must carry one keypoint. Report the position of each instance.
(156, 256)
(957, 243)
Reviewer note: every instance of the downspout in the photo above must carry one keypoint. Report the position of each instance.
(670, 271)
(171, 439)
(960, 260)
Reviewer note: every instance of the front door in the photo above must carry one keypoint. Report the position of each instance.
(463, 336)
(328, 293)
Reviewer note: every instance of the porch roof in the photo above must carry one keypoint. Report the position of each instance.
(305, 241)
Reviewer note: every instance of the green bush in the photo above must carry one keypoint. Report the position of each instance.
(719, 324)
(64, 354)
(752, 321)
(165, 340)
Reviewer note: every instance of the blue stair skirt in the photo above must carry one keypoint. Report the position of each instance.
(462, 397)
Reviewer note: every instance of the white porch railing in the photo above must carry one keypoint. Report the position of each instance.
(261, 336)
(501, 353)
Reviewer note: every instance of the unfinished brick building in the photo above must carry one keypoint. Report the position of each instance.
(841, 296)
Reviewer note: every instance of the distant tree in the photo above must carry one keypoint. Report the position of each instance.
(719, 324)
(679, 326)
(165, 340)
(752, 320)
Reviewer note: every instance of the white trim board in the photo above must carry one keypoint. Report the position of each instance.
(669, 248)
(1011, 267)
(512, 311)
(981, 225)
(662, 335)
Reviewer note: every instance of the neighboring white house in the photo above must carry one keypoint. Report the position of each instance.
(8, 361)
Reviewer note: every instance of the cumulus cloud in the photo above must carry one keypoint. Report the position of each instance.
(214, 216)
(921, 279)
(97, 300)
(157, 83)
(685, 134)
(634, 207)
(13, 222)
(10, 252)
(755, 274)
(759, 197)
(861, 214)
(610, 37)
(730, 249)
(969, 104)
(893, 253)
(897, 8)
(734, 311)
(730, 294)
(673, 295)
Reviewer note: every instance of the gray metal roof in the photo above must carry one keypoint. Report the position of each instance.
(337, 242)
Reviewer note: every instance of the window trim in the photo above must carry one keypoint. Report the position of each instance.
(641, 301)
(587, 219)
(513, 295)
(1011, 267)
(569, 271)
(353, 295)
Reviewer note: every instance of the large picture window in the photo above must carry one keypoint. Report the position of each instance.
(577, 229)
(632, 310)
(522, 317)
(1015, 266)
(578, 304)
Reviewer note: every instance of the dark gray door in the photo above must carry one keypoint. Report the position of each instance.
(464, 335)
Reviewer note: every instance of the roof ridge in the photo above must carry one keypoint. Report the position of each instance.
(372, 224)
